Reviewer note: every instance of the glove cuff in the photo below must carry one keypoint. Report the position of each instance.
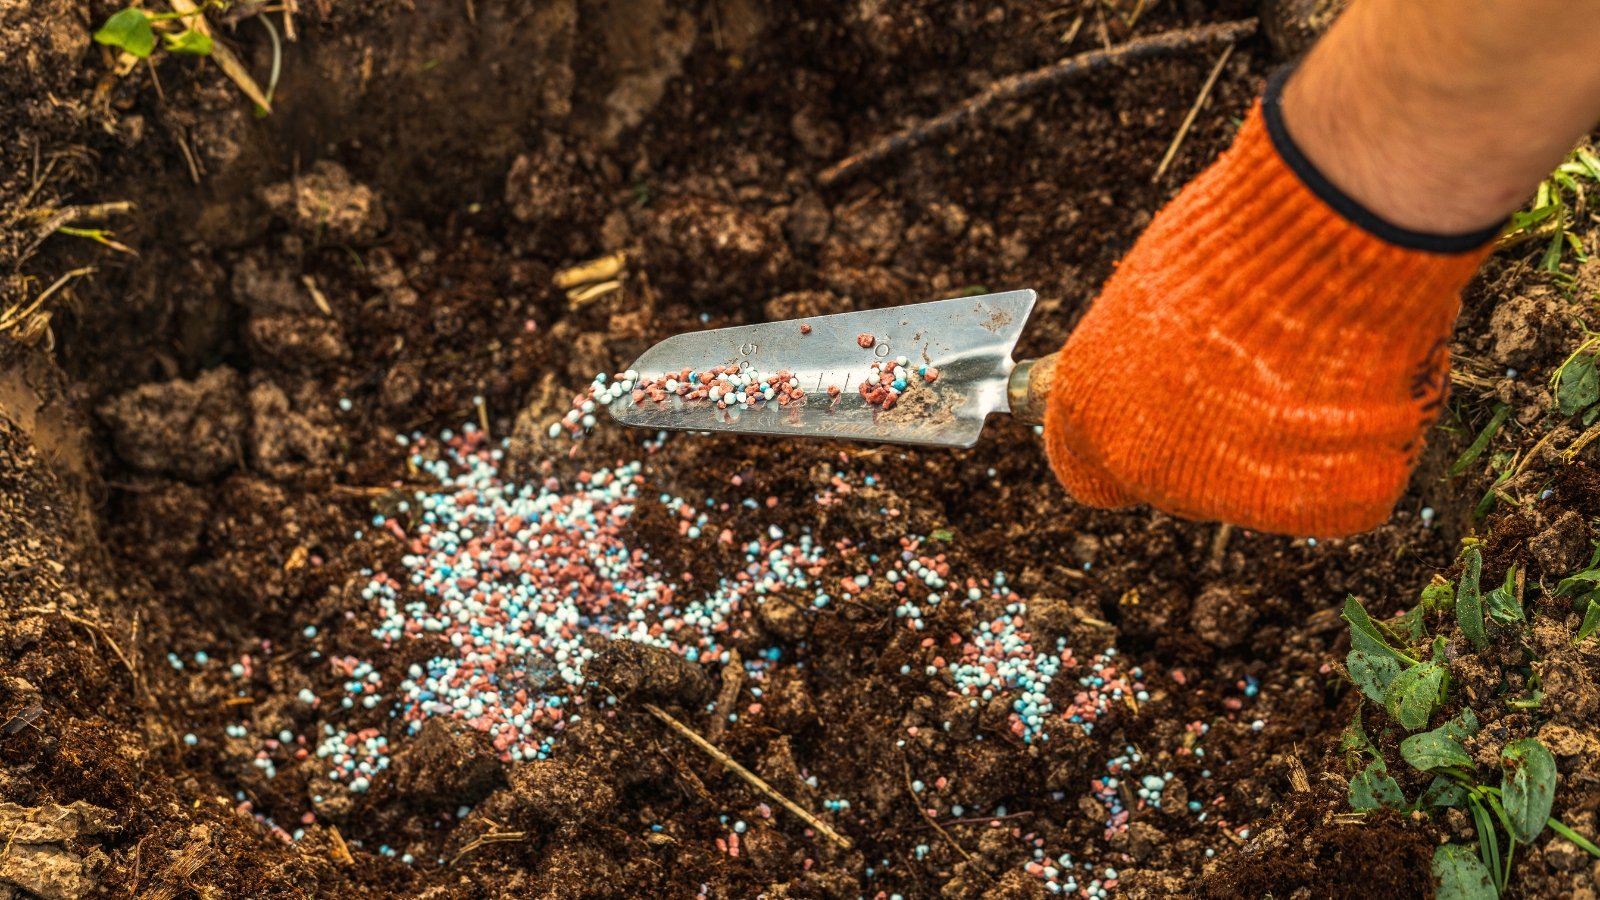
(1340, 202)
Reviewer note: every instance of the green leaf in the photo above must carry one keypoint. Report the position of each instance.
(1565, 830)
(1354, 739)
(1410, 625)
(1461, 727)
(1467, 458)
(1551, 260)
(1461, 875)
(1532, 701)
(1581, 581)
(189, 41)
(1372, 673)
(1434, 750)
(1580, 385)
(129, 29)
(1491, 497)
(1528, 787)
(1442, 792)
(1591, 621)
(1488, 844)
(1372, 788)
(1438, 596)
(1525, 219)
(1501, 603)
(1589, 161)
(1469, 601)
(1364, 635)
(1414, 693)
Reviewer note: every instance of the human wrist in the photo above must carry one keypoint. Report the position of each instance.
(1440, 117)
(1359, 194)
(1367, 117)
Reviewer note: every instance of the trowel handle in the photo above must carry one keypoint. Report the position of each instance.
(1029, 387)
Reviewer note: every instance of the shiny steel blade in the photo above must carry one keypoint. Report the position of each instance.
(968, 339)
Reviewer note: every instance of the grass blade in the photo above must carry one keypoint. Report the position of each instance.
(1469, 600)
(1511, 851)
(1551, 260)
(1488, 848)
(1467, 458)
(1591, 621)
(1566, 831)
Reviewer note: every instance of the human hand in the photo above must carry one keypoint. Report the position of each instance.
(1268, 354)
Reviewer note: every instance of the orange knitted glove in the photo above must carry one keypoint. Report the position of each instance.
(1268, 354)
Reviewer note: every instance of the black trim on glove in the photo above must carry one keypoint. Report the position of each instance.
(1344, 204)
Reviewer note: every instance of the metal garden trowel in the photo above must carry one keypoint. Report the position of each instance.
(966, 342)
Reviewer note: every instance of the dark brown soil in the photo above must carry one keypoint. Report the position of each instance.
(178, 472)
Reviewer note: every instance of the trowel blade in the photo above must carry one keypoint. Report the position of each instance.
(969, 340)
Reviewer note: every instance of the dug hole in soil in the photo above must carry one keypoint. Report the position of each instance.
(240, 656)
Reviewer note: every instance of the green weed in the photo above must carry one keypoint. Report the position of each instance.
(1397, 666)
(1576, 383)
(1559, 202)
(1584, 589)
(134, 30)
(1481, 443)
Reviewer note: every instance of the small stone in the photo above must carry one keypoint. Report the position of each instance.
(1561, 547)
(1221, 617)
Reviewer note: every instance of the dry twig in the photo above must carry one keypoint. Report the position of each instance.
(1016, 87)
(19, 314)
(317, 296)
(1071, 34)
(1533, 454)
(493, 837)
(93, 626)
(603, 268)
(906, 765)
(1188, 120)
(52, 220)
(174, 880)
(1297, 773)
(749, 777)
(341, 850)
(978, 820)
(1219, 546)
(1582, 441)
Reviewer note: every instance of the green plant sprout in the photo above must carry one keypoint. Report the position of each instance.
(134, 30)
(99, 236)
(1558, 203)
(1576, 383)
(1584, 589)
(1396, 666)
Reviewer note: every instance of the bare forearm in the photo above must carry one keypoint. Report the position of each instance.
(1442, 115)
